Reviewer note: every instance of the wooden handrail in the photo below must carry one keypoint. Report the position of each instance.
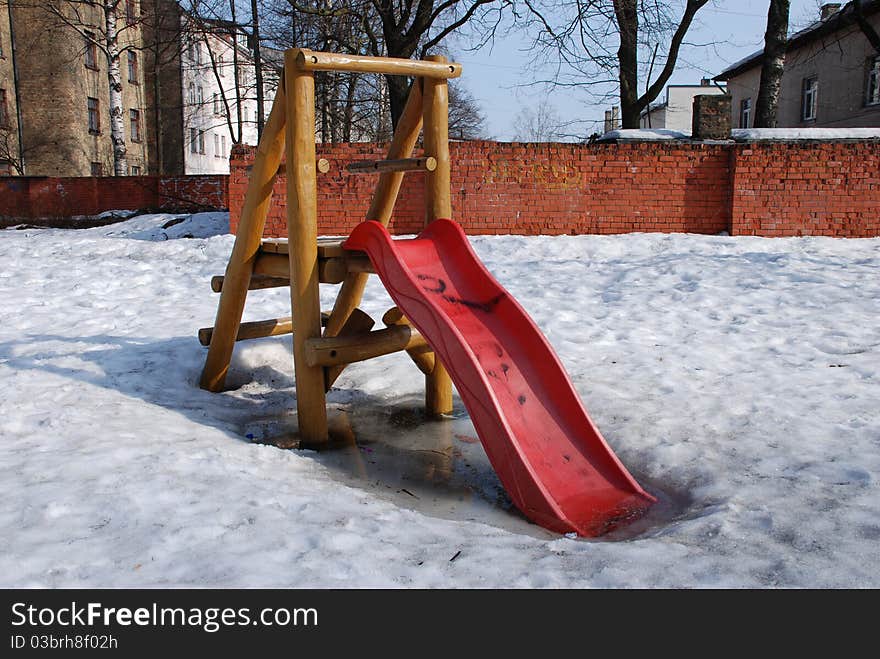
(310, 60)
(427, 164)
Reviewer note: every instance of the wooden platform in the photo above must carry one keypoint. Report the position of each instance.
(327, 247)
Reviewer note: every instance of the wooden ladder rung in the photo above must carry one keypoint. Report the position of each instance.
(257, 282)
(258, 329)
(425, 164)
(332, 351)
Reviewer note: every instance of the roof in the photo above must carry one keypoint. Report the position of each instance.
(822, 28)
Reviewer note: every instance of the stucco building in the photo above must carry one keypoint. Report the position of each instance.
(831, 77)
(676, 111)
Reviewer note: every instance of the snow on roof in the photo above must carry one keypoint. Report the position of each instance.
(644, 134)
(755, 134)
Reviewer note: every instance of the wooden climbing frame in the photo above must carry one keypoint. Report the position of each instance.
(323, 344)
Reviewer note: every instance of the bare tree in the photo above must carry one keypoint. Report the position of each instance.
(866, 27)
(538, 123)
(349, 105)
(213, 24)
(466, 120)
(597, 43)
(402, 28)
(772, 63)
(10, 154)
(105, 37)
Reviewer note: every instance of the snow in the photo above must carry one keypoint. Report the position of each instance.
(754, 134)
(736, 377)
(644, 134)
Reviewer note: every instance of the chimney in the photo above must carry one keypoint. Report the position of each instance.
(711, 117)
(828, 10)
(705, 82)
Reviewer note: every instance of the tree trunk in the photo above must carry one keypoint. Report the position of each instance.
(867, 29)
(117, 125)
(235, 73)
(626, 12)
(398, 92)
(772, 64)
(258, 68)
(351, 88)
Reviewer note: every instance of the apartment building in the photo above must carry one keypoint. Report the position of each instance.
(206, 97)
(188, 89)
(831, 77)
(10, 151)
(54, 76)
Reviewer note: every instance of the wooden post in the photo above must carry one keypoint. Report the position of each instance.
(247, 245)
(438, 204)
(302, 232)
(387, 188)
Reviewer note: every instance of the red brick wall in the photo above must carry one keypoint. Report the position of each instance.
(528, 189)
(766, 189)
(38, 197)
(806, 189)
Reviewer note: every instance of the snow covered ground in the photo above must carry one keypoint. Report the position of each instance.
(737, 378)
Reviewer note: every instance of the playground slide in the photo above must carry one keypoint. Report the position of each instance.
(548, 454)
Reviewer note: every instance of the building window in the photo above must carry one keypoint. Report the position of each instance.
(191, 93)
(193, 144)
(4, 110)
(745, 112)
(97, 169)
(244, 114)
(223, 145)
(200, 96)
(130, 12)
(91, 51)
(134, 121)
(94, 116)
(201, 141)
(132, 67)
(195, 53)
(220, 64)
(808, 106)
(216, 104)
(5, 165)
(872, 96)
(216, 146)
(134, 170)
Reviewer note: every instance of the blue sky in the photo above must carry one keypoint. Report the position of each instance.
(496, 77)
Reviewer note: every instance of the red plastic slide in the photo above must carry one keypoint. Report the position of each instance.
(549, 456)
